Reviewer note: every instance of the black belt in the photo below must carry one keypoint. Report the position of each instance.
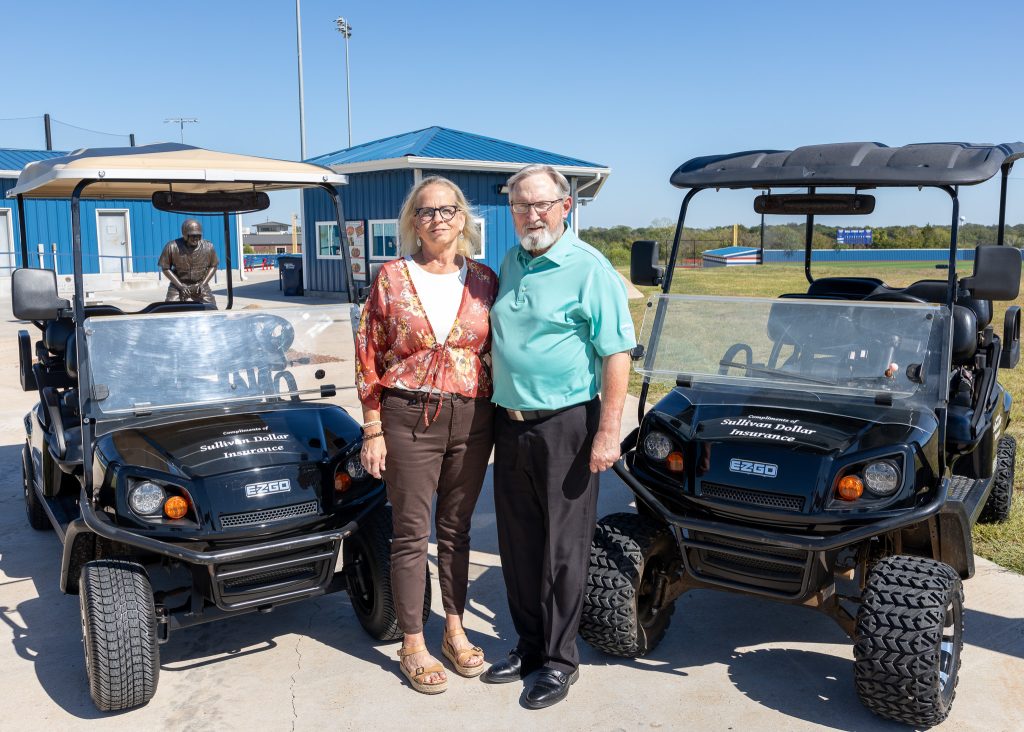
(421, 396)
(529, 415)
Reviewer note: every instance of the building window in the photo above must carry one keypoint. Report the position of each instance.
(328, 244)
(7, 261)
(280, 250)
(383, 239)
(482, 250)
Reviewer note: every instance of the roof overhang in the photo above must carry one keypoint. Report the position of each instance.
(590, 179)
(850, 164)
(138, 172)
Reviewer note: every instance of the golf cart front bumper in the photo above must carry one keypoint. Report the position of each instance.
(250, 577)
(774, 563)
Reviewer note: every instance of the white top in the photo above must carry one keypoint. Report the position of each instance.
(440, 294)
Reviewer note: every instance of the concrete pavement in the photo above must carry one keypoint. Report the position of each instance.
(726, 663)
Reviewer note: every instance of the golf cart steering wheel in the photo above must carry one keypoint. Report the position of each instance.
(274, 334)
(892, 297)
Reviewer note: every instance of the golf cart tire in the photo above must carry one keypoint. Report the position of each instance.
(901, 670)
(34, 510)
(1000, 500)
(617, 615)
(367, 564)
(122, 659)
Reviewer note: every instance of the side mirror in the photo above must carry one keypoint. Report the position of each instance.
(643, 264)
(996, 273)
(34, 295)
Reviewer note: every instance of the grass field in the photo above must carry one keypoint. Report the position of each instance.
(1002, 543)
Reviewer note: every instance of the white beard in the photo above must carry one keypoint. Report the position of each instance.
(541, 239)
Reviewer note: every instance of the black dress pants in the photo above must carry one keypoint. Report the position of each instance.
(545, 500)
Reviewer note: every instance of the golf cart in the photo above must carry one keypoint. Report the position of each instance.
(187, 458)
(829, 448)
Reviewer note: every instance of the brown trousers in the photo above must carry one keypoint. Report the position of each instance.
(448, 457)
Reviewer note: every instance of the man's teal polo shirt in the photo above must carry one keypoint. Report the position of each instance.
(556, 316)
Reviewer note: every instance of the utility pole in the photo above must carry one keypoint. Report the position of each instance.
(181, 122)
(345, 28)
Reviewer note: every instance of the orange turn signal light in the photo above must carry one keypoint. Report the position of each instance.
(850, 488)
(342, 481)
(674, 462)
(175, 507)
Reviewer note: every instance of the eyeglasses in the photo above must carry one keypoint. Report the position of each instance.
(426, 214)
(538, 206)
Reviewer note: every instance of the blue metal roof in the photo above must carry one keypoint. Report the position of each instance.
(444, 143)
(14, 159)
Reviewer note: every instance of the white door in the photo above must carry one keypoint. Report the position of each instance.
(114, 239)
(6, 243)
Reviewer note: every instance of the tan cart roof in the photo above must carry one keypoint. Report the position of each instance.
(137, 172)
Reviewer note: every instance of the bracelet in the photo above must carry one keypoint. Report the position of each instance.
(371, 436)
(371, 423)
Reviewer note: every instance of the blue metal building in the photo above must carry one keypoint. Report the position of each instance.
(382, 172)
(129, 234)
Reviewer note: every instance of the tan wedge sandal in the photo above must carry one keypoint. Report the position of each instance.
(459, 658)
(416, 679)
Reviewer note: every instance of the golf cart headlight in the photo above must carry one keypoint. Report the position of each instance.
(355, 468)
(657, 445)
(881, 478)
(146, 498)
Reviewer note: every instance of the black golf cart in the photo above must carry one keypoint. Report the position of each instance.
(186, 457)
(830, 448)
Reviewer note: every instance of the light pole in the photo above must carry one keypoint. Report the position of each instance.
(181, 122)
(345, 28)
(298, 48)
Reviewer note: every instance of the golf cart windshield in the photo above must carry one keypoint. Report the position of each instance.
(141, 364)
(889, 352)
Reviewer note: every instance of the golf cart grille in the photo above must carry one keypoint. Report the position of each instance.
(281, 513)
(274, 579)
(734, 563)
(252, 581)
(746, 496)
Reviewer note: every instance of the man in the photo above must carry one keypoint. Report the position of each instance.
(561, 333)
(189, 264)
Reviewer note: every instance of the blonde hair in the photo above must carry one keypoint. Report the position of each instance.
(467, 243)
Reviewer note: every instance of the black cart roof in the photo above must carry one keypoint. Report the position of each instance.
(850, 164)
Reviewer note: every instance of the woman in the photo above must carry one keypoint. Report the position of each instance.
(427, 415)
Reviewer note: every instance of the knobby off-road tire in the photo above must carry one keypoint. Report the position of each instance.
(34, 510)
(367, 566)
(1000, 500)
(122, 659)
(909, 636)
(617, 606)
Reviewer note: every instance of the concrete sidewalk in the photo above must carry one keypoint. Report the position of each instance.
(726, 663)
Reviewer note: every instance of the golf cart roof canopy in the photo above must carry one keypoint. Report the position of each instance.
(850, 164)
(137, 172)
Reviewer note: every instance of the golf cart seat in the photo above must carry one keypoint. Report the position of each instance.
(177, 307)
(847, 288)
(935, 291)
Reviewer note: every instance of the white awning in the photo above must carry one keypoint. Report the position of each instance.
(138, 172)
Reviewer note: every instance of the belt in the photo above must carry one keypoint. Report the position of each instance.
(529, 415)
(422, 396)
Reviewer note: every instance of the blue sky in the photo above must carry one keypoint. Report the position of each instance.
(640, 87)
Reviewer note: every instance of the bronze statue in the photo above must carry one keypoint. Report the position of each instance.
(189, 263)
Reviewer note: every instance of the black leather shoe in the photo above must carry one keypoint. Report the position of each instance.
(513, 667)
(550, 688)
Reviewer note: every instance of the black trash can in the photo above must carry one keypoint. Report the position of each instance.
(290, 272)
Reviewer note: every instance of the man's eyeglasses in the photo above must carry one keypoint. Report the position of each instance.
(538, 206)
(426, 214)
